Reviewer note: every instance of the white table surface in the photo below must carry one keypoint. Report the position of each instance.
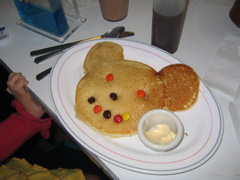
(206, 25)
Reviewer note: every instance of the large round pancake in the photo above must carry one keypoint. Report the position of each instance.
(102, 52)
(182, 86)
(129, 77)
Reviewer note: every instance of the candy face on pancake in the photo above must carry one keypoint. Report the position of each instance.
(119, 88)
(182, 86)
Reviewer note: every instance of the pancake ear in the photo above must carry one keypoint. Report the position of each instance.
(182, 86)
(101, 53)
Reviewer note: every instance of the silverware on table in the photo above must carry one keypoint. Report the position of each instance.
(43, 74)
(53, 53)
(113, 33)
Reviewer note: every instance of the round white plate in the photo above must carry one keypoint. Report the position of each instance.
(203, 123)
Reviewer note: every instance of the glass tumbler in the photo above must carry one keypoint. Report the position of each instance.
(114, 10)
(167, 23)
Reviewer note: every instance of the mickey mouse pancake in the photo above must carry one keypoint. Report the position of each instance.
(115, 93)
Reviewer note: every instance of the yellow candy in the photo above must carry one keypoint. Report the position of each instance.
(126, 116)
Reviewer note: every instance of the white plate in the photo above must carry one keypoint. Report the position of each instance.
(203, 123)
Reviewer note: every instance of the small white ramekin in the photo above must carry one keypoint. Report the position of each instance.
(160, 116)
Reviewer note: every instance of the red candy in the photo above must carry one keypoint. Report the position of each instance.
(118, 118)
(109, 77)
(141, 93)
(97, 109)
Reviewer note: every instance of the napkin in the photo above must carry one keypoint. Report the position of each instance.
(223, 74)
(224, 71)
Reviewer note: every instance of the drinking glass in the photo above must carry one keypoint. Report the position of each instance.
(167, 23)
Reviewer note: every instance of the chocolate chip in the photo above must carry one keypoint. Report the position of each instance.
(91, 100)
(107, 114)
(113, 96)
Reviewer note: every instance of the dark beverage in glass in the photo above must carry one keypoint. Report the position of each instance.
(167, 24)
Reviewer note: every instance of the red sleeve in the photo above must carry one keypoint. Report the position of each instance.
(18, 128)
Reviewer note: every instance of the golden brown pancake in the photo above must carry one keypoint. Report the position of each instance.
(182, 86)
(102, 52)
(128, 78)
(113, 84)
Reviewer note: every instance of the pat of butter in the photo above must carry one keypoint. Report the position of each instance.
(160, 134)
